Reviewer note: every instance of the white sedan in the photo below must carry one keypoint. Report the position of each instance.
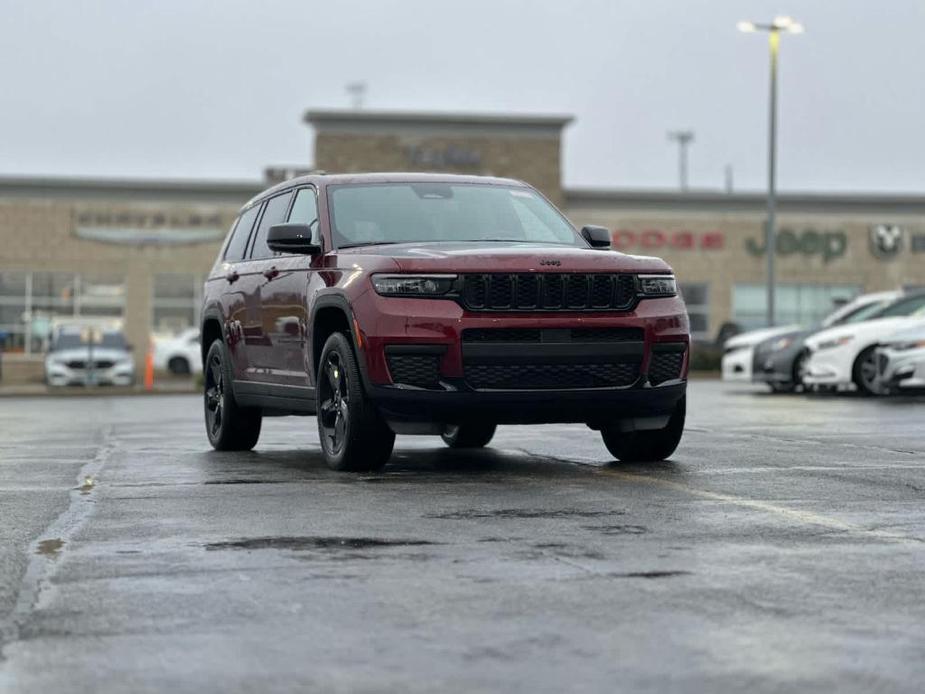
(180, 355)
(901, 359)
(846, 355)
(738, 351)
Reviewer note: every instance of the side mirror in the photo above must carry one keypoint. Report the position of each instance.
(598, 237)
(292, 237)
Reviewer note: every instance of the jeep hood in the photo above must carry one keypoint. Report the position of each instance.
(508, 257)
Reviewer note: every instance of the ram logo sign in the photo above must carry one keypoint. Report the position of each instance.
(886, 240)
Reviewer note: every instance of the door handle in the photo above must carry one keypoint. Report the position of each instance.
(272, 273)
(232, 277)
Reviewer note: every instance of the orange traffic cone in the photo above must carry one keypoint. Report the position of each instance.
(149, 367)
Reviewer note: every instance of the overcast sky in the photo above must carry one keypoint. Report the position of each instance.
(198, 89)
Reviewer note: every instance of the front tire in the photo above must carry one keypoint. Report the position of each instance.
(864, 372)
(354, 437)
(472, 435)
(647, 446)
(229, 426)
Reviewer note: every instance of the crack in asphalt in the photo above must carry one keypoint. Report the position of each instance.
(47, 549)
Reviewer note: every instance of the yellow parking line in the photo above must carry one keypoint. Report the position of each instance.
(804, 517)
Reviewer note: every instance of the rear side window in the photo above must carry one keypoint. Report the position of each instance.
(274, 214)
(305, 210)
(242, 230)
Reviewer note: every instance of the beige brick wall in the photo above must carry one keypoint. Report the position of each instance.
(531, 159)
(39, 235)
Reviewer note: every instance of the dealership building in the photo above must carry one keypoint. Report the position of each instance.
(135, 253)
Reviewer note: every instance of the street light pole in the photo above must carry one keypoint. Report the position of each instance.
(774, 29)
(770, 233)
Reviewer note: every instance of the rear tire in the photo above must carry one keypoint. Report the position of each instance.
(229, 426)
(354, 437)
(471, 435)
(179, 366)
(647, 446)
(864, 372)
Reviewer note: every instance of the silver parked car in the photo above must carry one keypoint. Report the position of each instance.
(78, 357)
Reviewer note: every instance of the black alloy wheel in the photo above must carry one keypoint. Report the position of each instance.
(334, 412)
(228, 426)
(354, 437)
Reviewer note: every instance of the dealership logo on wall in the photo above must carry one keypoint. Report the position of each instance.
(829, 244)
(136, 227)
(451, 156)
(661, 239)
(886, 240)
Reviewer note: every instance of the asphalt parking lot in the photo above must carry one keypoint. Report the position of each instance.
(782, 548)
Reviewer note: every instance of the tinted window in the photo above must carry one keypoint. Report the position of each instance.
(274, 214)
(242, 230)
(305, 210)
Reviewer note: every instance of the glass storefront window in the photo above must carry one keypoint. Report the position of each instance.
(32, 302)
(801, 304)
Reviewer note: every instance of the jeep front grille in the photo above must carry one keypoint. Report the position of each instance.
(548, 292)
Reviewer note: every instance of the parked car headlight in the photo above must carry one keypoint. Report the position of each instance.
(414, 285)
(657, 285)
(835, 342)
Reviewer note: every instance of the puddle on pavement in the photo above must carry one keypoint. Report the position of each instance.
(245, 481)
(649, 574)
(505, 513)
(50, 548)
(297, 544)
(617, 529)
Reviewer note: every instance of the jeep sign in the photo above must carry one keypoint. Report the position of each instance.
(829, 244)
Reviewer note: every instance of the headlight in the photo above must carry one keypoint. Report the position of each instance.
(902, 346)
(835, 342)
(657, 285)
(414, 285)
(782, 343)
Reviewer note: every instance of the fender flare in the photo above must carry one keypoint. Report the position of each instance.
(335, 299)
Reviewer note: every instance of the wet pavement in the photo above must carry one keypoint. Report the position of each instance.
(782, 548)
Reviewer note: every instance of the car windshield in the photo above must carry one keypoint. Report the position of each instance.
(862, 313)
(366, 214)
(908, 306)
(75, 340)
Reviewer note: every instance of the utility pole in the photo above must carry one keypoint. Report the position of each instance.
(684, 138)
(729, 179)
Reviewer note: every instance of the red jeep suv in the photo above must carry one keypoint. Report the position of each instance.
(436, 304)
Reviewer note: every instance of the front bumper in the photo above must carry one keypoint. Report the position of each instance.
(830, 366)
(899, 369)
(489, 379)
(594, 406)
(737, 364)
(58, 375)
